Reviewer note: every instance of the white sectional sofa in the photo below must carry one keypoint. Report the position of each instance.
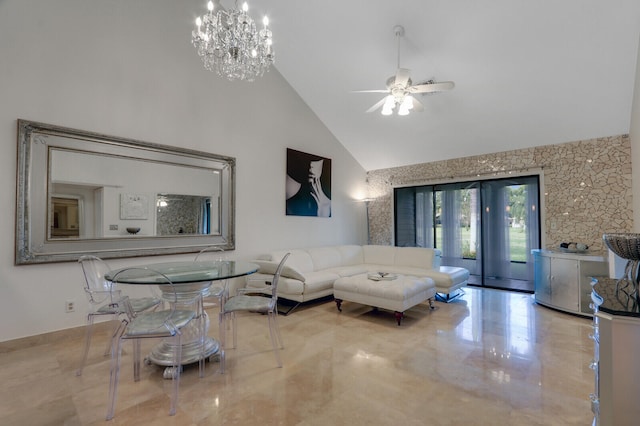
(310, 273)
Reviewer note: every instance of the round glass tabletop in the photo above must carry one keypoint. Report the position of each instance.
(182, 272)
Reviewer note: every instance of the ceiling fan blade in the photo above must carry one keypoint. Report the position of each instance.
(432, 87)
(377, 105)
(417, 105)
(402, 76)
(371, 91)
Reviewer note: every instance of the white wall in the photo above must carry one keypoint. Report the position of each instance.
(127, 68)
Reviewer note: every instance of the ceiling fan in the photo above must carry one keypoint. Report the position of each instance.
(401, 90)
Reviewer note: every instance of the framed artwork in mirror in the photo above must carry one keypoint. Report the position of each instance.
(134, 206)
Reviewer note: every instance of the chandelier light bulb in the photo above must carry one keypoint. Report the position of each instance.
(198, 22)
(265, 21)
(245, 7)
(210, 6)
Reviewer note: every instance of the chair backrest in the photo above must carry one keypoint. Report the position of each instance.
(209, 252)
(276, 277)
(140, 276)
(97, 288)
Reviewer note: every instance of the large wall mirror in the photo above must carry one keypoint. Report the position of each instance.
(82, 192)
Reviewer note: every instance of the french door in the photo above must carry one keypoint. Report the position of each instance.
(488, 227)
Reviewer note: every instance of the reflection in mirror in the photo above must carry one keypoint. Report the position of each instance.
(66, 211)
(185, 214)
(132, 185)
(81, 192)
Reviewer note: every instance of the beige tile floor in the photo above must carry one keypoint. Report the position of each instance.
(490, 358)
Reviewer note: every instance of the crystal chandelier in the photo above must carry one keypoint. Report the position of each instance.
(229, 43)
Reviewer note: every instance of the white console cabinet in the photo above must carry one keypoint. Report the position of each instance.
(562, 280)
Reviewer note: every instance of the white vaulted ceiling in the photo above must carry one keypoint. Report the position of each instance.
(527, 73)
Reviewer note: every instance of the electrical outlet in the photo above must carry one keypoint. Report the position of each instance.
(70, 306)
(113, 227)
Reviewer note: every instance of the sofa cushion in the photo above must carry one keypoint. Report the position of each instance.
(351, 255)
(414, 257)
(318, 280)
(321, 278)
(325, 258)
(286, 285)
(449, 278)
(348, 271)
(402, 270)
(270, 267)
(299, 259)
(291, 286)
(382, 255)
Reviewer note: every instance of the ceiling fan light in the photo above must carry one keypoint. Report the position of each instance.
(389, 102)
(407, 103)
(400, 87)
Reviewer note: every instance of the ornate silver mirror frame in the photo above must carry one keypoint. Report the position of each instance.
(122, 184)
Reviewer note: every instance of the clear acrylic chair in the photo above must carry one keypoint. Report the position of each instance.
(166, 324)
(218, 289)
(263, 304)
(104, 300)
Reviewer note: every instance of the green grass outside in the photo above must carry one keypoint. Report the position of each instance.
(517, 240)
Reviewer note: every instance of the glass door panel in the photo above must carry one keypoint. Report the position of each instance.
(510, 230)
(488, 227)
(457, 224)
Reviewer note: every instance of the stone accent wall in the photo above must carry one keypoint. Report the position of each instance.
(586, 187)
(180, 216)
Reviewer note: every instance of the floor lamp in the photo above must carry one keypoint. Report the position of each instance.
(366, 206)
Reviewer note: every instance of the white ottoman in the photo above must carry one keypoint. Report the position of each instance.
(396, 295)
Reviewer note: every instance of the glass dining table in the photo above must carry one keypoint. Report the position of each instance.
(191, 281)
